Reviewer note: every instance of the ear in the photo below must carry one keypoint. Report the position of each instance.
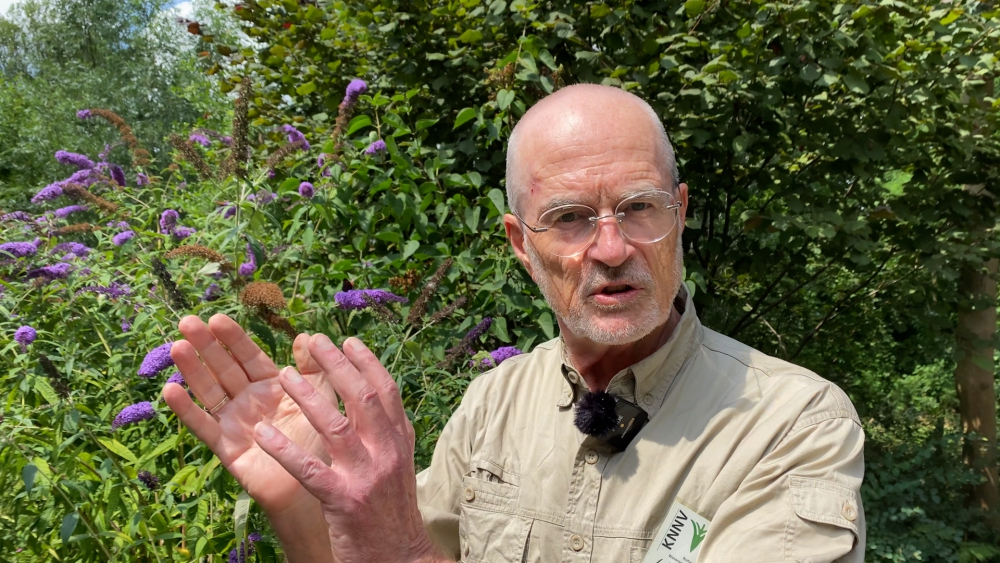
(515, 234)
(682, 198)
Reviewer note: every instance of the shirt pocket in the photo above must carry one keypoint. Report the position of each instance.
(489, 528)
(825, 511)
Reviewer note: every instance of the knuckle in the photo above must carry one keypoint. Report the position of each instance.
(312, 469)
(367, 395)
(339, 427)
(389, 387)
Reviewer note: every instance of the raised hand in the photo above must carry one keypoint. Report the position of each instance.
(232, 364)
(368, 492)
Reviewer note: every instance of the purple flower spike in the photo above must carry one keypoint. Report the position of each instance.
(376, 147)
(83, 114)
(133, 413)
(56, 271)
(17, 249)
(64, 212)
(247, 268)
(74, 248)
(148, 479)
(157, 360)
(177, 378)
(354, 91)
(306, 190)
(480, 328)
(181, 232)
(126, 325)
(24, 336)
(212, 292)
(168, 220)
(499, 355)
(141, 179)
(74, 159)
(118, 175)
(122, 237)
(295, 136)
(355, 298)
(114, 291)
(15, 216)
(200, 139)
(50, 191)
(229, 211)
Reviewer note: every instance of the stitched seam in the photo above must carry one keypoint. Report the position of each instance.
(800, 483)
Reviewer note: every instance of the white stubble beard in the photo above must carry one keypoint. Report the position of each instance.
(581, 321)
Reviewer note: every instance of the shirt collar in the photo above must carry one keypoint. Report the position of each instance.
(646, 382)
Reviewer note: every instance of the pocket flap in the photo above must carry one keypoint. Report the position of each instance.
(820, 500)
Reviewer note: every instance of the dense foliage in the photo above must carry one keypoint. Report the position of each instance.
(830, 149)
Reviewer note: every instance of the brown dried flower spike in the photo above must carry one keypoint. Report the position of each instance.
(199, 251)
(262, 294)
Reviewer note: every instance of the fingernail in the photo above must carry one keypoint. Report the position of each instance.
(265, 429)
(291, 374)
(354, 344)
(322, 342)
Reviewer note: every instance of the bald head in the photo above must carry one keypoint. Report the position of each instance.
(581, 114)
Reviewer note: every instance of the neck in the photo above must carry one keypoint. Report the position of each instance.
(598, 363)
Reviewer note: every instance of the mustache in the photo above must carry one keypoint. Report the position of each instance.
(629, 273)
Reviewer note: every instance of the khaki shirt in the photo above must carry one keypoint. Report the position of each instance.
(769, 452)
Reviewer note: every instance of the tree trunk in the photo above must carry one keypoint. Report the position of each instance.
(974, 378)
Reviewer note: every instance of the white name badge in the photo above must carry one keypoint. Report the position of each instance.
(680, 537)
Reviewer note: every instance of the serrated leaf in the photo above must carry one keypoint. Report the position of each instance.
(306, 89)
(463, 117)
(69, 523)
(358, 123)
(118, 448)
(410, 248)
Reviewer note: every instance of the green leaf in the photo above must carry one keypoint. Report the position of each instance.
(464, 116)
(500, 328)
(28, 475)
(411, 247)
(471, 36)
(855, 83)
(306, 89)
(240, 514)
(164, 446)
(359, 122)
(694, 7)
(69, 523)
(118, 448)
(43, 388)
(497, 198)
(599, 10)
(504, 98)
(425, 123)
(810, 73)
(267, 337)
(545, 322)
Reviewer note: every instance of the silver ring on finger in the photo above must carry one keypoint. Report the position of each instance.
(225, 399)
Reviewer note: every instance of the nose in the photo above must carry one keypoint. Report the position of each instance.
(610, 246)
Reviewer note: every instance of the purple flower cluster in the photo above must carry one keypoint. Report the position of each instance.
(50, 191)
(114, 291)
(64, 212)
(263, 197)
(74, 249)
(177, 378)
(157, 360)
(295, 136)
(75, 159)
(148, 479)
(229, 211)
(84, 177)
(181, 232)
(56, 271)
(168, 220)
(18, 249)
(141, 179)
(133, 413)
(247, 268)
(15, 216)
(118, 175)
(321, 164)
(83, 114)
(354, 90)
(499, 355)
(306, 190)
(25, 335)
(122, 237)
(212, 292)
(240, 554)
(480, 329)
(200, 139)
(376, 148)
(354, 299)
(126, 324)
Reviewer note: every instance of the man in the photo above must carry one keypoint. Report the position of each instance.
(745, 458)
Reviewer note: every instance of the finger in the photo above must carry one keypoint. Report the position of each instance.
(303, 359)
(205, 388)
(361, 399)
(256, 364)
(319, 479)
(379, 378)
(342, 441)
(199, 422)
(223, 366)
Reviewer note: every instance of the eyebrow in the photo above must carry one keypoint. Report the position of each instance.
(558, 202)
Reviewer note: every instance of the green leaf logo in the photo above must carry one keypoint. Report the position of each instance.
(699, 535)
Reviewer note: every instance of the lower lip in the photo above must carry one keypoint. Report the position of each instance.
(616, 298)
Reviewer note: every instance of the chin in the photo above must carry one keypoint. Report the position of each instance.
(616, 329)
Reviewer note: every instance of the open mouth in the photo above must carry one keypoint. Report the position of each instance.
(613, 289)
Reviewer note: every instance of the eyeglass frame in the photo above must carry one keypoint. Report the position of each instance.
(595, 220)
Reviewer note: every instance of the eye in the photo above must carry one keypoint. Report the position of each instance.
(639, 206)
(567, 217)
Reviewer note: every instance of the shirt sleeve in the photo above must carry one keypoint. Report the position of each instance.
(802, 501)
(439, 486)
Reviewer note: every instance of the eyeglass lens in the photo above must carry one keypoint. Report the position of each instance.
(644, 218)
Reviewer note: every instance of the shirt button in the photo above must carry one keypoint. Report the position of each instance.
(576, 542)
(647, 399)
(470, 495)
(849, 511)
(591, 457)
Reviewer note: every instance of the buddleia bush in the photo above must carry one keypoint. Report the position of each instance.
(350, 234)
